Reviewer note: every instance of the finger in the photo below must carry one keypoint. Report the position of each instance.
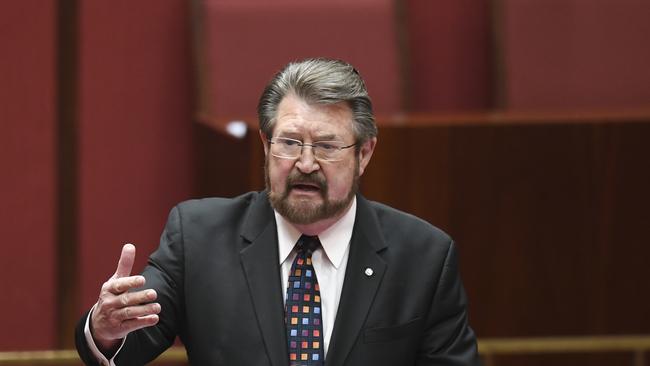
(127, 258)
(129, 299)
(129, 326)
(120, 285)
(138, 311)
(134, 298)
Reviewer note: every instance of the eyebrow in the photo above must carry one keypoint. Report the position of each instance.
(290, 134)
(330, 137)
(298, 136)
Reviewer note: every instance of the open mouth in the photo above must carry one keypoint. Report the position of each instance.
(306, 187)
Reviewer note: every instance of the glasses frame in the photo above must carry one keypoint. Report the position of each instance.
(313, 145)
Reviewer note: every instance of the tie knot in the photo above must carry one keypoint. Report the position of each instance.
(308, 244)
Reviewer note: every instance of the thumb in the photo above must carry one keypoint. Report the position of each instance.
(127, 258)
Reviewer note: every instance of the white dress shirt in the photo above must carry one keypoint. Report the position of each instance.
(330, 262)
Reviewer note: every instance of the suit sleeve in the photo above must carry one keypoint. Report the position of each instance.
(83, 348)
(448, 339)
(163, 273)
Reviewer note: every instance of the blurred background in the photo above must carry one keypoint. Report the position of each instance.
(520, 127)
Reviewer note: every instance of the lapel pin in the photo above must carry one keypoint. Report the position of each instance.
(369, 272)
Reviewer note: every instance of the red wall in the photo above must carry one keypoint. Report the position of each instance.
(246, 42)
(449, 55)
(135, 126)
(576, 54)
(135, 129)
(28, 183)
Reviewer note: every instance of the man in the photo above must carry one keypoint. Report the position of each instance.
(307, 272)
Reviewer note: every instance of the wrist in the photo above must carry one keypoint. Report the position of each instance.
(107, 347)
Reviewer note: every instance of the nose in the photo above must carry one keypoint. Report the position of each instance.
(306, 162)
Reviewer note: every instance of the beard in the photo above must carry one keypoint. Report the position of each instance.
(304, 211)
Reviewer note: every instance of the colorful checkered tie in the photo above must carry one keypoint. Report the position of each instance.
(303, 308)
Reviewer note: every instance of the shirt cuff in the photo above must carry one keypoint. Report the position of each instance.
(93, 347)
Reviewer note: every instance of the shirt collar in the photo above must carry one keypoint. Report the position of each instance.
(335, 240)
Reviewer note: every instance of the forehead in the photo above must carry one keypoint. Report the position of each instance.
(297, 117)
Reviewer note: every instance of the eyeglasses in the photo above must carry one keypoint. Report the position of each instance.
(287, 148)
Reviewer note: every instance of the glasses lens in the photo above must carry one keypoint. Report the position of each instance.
(283, 147)
(328, 150)
(286, 148)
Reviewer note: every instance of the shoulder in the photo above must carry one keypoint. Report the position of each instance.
(212, 204)
(404, 222)
(402, 230)
(215, 210)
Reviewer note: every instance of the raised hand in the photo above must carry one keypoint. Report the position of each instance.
(118, 311)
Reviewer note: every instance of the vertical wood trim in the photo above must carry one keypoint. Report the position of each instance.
(498, 86)
(639, 357)
(257, 161)
(199, 53)
(67, 165)
(403, 54)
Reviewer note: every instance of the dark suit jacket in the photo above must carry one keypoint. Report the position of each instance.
(218, 281)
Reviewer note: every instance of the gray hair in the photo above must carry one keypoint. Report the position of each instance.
(319, 81)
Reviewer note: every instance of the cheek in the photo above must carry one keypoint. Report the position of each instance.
(339, 183)
(278, 172)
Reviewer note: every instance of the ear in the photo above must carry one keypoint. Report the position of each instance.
(265, 142)
(365, 153)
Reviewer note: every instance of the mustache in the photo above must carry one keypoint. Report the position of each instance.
(296, 177)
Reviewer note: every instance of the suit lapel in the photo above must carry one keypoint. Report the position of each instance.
(360, 284)
(260, 263)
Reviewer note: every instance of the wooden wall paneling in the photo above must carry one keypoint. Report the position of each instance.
(256, 163)
(390, 160)
(415, 158)
(625, 244)
(222, 170)
(523, 201)
(550, 219)
(68, 169)
(594, 359)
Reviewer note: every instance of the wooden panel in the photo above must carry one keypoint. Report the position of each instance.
(28, 184)
(222, 168)
(549, 212)
(624, 359)
(550, 219)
